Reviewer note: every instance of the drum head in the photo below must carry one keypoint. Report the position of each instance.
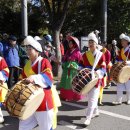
(124, 75)
(89, 86)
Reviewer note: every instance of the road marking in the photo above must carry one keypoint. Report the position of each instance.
(101, 111)
(69, 125)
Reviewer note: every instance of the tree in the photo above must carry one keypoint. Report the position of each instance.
(118, 18)
(83, 19)
(56, 10)
(88, 16)
(9, 16)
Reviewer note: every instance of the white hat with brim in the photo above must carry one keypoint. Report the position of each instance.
(96, 31)
(37, 38)
(29, 40)
(125, 37)
(122, 36)
(114, 42)
(93, 37)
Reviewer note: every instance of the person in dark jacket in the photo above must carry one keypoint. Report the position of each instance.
(10, 52)
(22, 52)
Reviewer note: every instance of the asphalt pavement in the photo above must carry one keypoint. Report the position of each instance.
(71, 115)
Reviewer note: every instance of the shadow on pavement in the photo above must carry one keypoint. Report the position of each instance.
(69, 120)
(10, 123)
(109, 92)
(66, 107)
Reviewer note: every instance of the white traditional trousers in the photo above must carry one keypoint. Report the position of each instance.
(42, 118)
(92, 102)
(121, 88)
(1, 115)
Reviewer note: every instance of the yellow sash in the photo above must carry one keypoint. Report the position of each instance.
(3, 92)
(123, 56)
(90, 57)
(28, 69)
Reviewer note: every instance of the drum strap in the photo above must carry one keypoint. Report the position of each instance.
(97, 58)
(124, 57)
(39, 65)
(128, 54)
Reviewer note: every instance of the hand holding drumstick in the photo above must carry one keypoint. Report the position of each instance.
(30, 79)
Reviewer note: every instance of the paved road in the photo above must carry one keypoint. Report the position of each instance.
(72, 115)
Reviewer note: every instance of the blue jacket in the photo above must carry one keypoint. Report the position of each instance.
(1, 47)
(11, 55)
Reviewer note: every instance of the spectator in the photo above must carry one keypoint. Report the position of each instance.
(4, 38)
(66, 43)
(61, 44)
(114, 51)
(22, 52)
(1, 48)
(10, 52)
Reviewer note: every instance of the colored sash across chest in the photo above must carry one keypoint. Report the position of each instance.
(123, 56)
(28, 69)
(90, 57)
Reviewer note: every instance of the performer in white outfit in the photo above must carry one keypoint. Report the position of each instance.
(95, 60)
(38, 70)
(123, 55)
(4, 74)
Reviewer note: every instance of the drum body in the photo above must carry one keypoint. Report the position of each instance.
(82, 83)
(120, 72)
(24, 99)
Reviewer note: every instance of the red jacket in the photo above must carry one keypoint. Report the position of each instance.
(46, 69)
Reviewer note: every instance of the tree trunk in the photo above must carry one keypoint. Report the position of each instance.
(57, 69)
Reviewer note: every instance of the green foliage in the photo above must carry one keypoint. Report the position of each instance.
(9, 16)
(86, 17)
(83, 16)
(118, 18)
(36, 21)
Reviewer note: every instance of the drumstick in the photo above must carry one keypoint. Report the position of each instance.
(4, 87)
(18, 67)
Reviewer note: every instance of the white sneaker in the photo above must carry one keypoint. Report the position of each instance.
(96, 114)
(128, 102)
(116, 103)
(1, 120)
(87, 122)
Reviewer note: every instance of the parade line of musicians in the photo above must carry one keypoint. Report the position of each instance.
(33, 60)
